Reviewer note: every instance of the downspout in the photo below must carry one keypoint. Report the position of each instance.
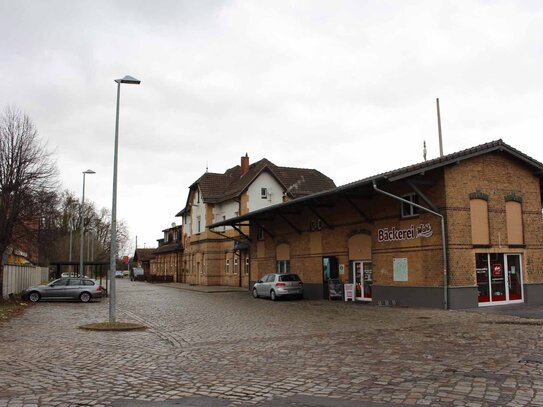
(444, 242)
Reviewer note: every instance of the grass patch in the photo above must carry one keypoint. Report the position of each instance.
(113, 326)
(11, 308)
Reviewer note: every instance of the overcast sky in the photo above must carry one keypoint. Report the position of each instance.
(346, 87)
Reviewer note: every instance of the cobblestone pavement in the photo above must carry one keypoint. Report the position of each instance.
(231, 347)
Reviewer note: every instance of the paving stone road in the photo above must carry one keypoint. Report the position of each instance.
(238, 351)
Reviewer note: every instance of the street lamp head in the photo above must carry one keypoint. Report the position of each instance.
(89, 172)
(128, 79)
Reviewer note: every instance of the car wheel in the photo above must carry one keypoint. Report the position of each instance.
(273, 297)
(34, 296)
(85, 297)
(255, 293)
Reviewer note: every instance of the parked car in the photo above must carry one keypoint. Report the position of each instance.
(126, 273)
(118, 274)
(83, 289)
(277, 285)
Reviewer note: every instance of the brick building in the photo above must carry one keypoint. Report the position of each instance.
(384, 235)
(142, 258)
(220, 257)
(165, 265)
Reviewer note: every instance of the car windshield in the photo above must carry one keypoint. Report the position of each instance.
(289, 277)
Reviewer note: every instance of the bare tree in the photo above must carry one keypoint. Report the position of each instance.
(27, 171)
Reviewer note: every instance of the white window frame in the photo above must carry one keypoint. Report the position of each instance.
(236, 264)
(247, 265)
(413, 210)
(264, 193)
(227, 269)
(283, 266)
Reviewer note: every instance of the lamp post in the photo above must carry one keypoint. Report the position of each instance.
(81, 243)
(112, 265)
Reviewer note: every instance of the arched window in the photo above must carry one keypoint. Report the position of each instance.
(282, 255)
(478, 206)
(360, 247)
(515, 229)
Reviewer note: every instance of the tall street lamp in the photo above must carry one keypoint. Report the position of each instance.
(81, 240)
(112, 265)
(82, 224)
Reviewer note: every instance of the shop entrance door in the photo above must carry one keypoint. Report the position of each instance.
(499, 278)
(363, 279)
(330, 269)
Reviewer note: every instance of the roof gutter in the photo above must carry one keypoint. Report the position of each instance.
(443, 240)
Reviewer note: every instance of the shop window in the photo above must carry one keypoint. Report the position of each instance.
(479, 222)
(407, 209)
(499, 277)
(515, 233)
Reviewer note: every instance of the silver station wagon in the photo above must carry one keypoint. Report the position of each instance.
(72, 288)
(277, 285)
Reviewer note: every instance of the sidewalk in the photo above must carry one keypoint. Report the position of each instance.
(205, 288)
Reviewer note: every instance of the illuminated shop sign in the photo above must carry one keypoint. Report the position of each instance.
(412, 232)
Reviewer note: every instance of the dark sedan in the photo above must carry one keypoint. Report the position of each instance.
(82, 289)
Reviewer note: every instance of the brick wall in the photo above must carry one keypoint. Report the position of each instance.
(496, 175)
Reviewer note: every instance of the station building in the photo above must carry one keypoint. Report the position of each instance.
(220, 256)
(460, 231)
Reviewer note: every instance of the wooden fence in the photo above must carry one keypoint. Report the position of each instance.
(17, 278)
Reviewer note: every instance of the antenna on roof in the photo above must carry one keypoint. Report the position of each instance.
(439, 129)
(424, 150)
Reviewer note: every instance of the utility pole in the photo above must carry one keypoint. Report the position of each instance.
(439, 129)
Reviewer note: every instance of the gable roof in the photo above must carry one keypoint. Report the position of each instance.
(401, 173)
(144, 254)
(297, 182)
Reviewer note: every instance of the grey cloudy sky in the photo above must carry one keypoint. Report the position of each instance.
(347, 87)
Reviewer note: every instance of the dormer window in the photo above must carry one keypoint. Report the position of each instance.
(410, 210)
(264, 193)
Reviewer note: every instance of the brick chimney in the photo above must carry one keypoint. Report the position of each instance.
(244, 164)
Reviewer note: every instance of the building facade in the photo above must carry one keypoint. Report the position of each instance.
(142, 258)
(460, 231)
(220, 256)
(165, 265)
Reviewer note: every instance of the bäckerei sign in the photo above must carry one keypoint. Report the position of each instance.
(392, 234)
